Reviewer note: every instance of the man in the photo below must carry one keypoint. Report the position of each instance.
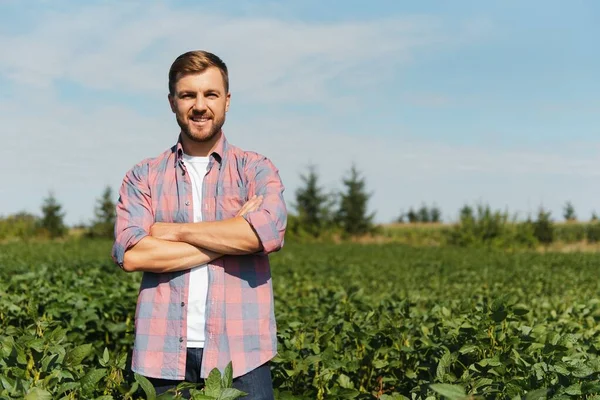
(199, 220)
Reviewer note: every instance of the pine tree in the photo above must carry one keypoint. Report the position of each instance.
(105, 216)
(313, 206)
(423, 214)
(466, 213)
(352, 214)
(52, 217)
(543, 229)
(569, 212)
(435, 214)
(412, 216)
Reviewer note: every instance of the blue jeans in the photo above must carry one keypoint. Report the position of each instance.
(257, 383)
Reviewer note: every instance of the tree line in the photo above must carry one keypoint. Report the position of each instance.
(317, 212)
(51, 224)
(314, 213)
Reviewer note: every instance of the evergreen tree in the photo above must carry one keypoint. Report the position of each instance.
(594, 217)
(313, 206)
(543, 229)
(412, 216)
(52, 217)
(435, 214)
(352, 213)
(569, 212)
(466, 213)
(104, 216)
(423, 214)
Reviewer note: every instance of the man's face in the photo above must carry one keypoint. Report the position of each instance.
(199, 102)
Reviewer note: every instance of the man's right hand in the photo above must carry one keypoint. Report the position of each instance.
(251, 205)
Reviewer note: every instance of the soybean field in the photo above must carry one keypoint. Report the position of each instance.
(355, 321)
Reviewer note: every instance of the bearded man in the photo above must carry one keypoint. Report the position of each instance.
(200, 220)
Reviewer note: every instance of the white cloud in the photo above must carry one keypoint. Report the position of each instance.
(129, 47)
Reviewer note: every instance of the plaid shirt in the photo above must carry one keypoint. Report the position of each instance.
(240, 319)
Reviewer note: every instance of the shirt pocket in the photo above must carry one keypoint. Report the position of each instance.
(230, 199)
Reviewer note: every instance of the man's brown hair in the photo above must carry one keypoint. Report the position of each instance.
(194, 62)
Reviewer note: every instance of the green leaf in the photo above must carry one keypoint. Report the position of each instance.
(105, 356)
(147, 387)
(201, 396)
(7, 383)
(520, 309)
(582, 371)
(89, 381)
(453, 392)
(38, 394)
(76, 355)
(539, 394)
(67, 386)
(213, 383)
(380, 364)
(228, 376)
(345, 382)
(590, 387)
(134, 387)
(468, 348)
(443, 366)
(231, 394)
(574, 390)
(499, 315)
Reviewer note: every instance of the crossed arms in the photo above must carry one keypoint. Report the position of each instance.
(143, 245)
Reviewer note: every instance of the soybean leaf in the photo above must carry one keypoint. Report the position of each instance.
(213, 383)
(453, 392)
(228, 376)
(231, 394)
(38, 394)
(147, 387)
(76, 355)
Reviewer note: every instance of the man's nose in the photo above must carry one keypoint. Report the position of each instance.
(200, 103)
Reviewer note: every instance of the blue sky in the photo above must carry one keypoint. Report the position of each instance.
(439, 102)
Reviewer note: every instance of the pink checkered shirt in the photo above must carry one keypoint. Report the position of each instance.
(240, 318)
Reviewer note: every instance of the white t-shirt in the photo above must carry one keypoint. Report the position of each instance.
(198, 292)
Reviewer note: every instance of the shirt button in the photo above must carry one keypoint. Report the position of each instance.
(180, 339)
(182, 304)
(187, 203)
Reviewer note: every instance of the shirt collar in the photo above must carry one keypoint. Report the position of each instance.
(217, 153)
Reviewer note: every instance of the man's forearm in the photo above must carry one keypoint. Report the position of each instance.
(156, 255)
(232, 236)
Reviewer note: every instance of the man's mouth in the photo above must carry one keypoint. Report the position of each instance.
(200, 119)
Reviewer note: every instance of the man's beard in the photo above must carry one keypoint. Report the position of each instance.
(217, 124)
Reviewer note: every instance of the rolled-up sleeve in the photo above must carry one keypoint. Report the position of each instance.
(134, 212)
(270, 220)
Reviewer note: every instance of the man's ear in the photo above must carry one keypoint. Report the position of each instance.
(171, 101)
(227, 101)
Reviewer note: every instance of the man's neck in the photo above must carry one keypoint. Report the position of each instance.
(199, 149)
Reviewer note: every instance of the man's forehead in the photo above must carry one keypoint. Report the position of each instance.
(211, 78)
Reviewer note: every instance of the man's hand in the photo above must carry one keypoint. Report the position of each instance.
(251, 205)
(171, 231)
